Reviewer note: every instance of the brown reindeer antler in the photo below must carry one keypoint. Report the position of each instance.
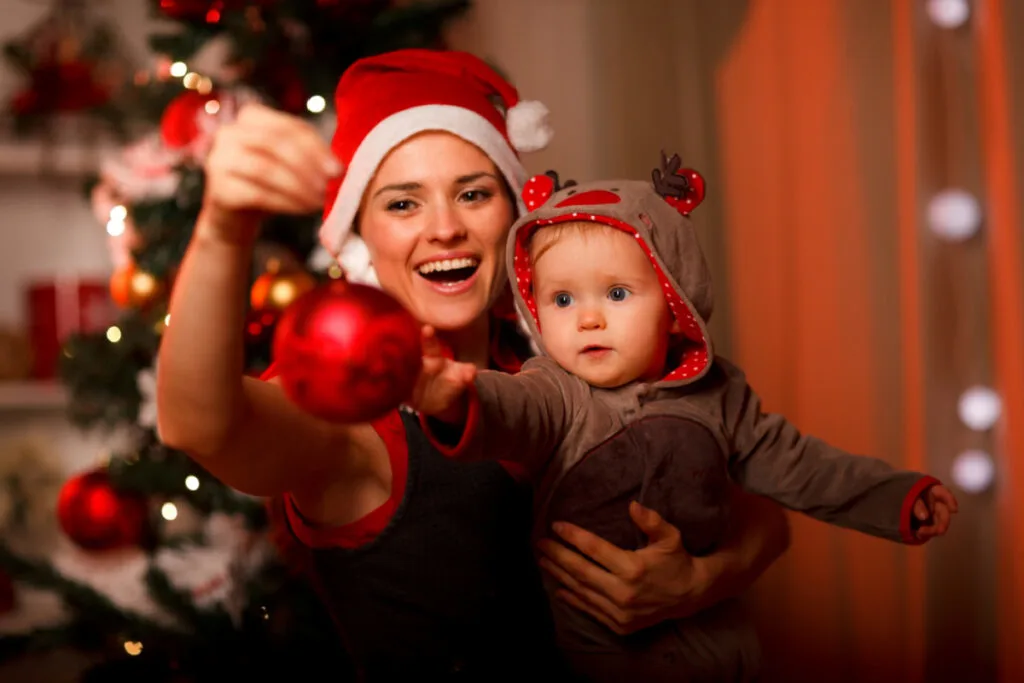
(667, 182)
(683, 188)
(554, 177)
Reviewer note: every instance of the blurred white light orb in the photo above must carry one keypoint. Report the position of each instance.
(973, 471)
(979, 408)
(954, 215)
(949, 13)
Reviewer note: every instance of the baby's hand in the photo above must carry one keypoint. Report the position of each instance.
(440, 390)
(934, 509)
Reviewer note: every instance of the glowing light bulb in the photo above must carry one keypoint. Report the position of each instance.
(973, 471)
(954, 215)
(979, 408)
(949, 13)
(316, 104)
(192, 482)
(113, 334)
(179, 69)
(169, 511)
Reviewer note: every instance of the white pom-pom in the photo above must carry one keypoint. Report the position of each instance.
(355, 261)
(528, 126)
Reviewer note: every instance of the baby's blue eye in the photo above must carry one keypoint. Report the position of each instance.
(563, 299)
(618, 293)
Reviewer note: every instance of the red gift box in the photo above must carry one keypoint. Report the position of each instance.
(59, 308)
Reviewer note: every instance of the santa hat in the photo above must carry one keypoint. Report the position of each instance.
(382, 101)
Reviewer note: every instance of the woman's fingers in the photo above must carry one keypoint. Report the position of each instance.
(269, 161)
(237, 193)
(304, 142)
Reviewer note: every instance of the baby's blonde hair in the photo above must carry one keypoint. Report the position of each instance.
(544, 238)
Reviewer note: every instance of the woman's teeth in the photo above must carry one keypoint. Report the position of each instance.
(447, 265)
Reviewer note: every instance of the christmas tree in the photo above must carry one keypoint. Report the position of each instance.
(169, 574)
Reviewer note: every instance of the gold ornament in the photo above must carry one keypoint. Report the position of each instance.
(134, 288)
(277, 288)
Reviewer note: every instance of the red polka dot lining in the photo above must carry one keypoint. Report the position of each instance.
(694, 358)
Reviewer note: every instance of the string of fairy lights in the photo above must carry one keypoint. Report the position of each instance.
(955, 215)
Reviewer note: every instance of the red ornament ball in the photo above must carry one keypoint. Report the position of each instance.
(179, 124)
(98, 517)
(347, 352)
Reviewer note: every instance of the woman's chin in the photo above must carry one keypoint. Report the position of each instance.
(453, 316)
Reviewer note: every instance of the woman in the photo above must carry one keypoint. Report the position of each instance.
(426, 564)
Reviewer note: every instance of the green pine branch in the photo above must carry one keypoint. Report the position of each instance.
(158, 471)
(84, 601)
(101, 375)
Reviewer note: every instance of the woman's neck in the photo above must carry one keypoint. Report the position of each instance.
(471, 344)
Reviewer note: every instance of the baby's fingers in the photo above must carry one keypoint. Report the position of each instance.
(944, 495)
(430, 343)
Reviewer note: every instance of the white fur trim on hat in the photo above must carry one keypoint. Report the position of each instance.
(391, 132)
(528, 127)
(354, 259)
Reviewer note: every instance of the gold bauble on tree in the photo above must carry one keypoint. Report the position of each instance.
(278, 287)
(131, 287)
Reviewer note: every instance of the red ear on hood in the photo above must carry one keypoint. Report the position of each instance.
(683, 188)
(539, 189)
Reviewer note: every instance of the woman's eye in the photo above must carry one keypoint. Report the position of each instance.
(618, 293)
(475, 195)
(400, 205)
(562, 299)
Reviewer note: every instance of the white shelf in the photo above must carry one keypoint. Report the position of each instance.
(32, 396)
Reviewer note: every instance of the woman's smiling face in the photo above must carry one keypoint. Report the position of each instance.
(434, 219)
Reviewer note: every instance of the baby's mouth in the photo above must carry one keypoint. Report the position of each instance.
(449, 270)
(594, 349)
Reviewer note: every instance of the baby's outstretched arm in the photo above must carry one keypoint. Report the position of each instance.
(772, 458)
(472, 414)
(443, 386)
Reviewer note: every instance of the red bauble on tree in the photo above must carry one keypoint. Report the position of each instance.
(179, 125)
(96, 516)
(347, 352)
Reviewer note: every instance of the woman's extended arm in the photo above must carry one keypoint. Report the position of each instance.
(243, 430)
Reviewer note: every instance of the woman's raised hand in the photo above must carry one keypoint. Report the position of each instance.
(264, 162)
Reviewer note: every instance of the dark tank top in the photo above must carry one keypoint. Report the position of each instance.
(449, 588)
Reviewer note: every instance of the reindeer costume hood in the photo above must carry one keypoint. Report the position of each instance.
(657, 215)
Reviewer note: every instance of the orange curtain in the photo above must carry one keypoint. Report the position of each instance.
(836, 122)
(1001, 171)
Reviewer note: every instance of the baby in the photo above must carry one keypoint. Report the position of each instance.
(628, 402)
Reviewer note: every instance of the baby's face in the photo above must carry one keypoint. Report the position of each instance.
(603, 316)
